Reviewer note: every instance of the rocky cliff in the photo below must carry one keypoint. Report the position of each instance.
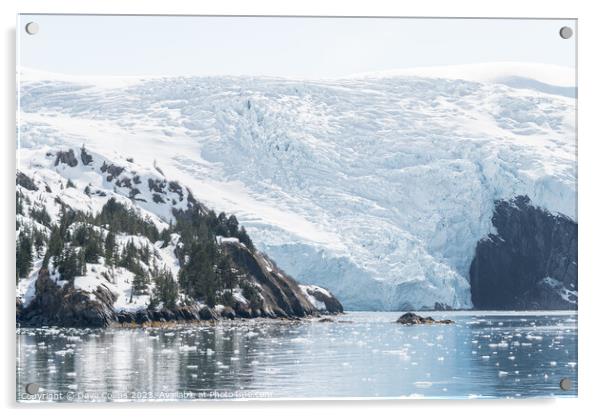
(101, 242)
(530, 263)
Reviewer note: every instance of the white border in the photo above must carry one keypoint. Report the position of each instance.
(590, 118)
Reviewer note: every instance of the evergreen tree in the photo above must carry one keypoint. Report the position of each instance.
(129, 257)
(121, 219)
(39, 239)
(232, 225)
(19, 202)
(139, 283)
(145, 254)
(68, 264)
(244, 238)
(166, 289)
(110, 249)
(92, 248)
(90, 240)
(55, 246)
(83, 268)
(24, 255)
(40, 215)
(228, 278)
(197, 276)
(221, 229)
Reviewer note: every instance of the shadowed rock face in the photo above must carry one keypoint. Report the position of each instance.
(66, 306)
(331, 304)
(531, 263)
(281, 294)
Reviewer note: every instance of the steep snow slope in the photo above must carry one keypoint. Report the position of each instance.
(376, 187)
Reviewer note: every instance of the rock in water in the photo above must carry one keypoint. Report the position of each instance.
(412, 318)
(531, 263)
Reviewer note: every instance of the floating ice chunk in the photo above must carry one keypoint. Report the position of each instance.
(423, 384)
(502, 374)
(186, 348)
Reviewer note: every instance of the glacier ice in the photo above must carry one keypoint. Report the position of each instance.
(375, 187)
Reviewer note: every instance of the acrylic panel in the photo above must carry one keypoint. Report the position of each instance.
(214, 207)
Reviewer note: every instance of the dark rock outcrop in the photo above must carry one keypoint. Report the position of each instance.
(441, 307)
(281, 295)
(112, 170)
(331, 304)
(86, 157)
(26, 182)
(66, 306)
(412, 318)
(66, 157)
(531, 263)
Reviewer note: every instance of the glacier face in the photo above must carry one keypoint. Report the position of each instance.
(377, 188)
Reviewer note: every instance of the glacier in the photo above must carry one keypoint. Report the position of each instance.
(375, 186)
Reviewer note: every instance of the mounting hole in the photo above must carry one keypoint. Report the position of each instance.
(566, 32)
(565, 384)
(32, 389)
(32, 28)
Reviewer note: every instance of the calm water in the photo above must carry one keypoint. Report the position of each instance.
(363, 354)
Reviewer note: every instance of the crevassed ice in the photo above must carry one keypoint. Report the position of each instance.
(375, 188)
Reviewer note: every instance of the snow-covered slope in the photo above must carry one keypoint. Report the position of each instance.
(377, 187)
(101, 241)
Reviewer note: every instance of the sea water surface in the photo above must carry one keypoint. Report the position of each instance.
(360, 354)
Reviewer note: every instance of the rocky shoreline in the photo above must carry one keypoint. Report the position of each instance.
(66, 306)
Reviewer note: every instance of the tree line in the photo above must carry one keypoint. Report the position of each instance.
(77, 239)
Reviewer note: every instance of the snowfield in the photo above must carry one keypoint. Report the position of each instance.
(375, 186)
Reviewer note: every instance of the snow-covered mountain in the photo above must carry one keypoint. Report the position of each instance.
(101, 241)
(377, 187)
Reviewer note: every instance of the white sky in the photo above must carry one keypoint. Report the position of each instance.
(294, 47)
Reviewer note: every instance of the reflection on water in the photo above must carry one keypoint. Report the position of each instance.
(367, 355)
